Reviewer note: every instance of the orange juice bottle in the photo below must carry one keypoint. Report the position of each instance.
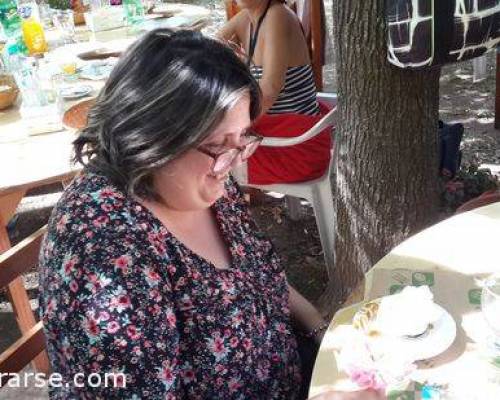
(33, 34)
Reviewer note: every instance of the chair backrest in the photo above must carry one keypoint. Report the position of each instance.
(30, 347)
(314, 35)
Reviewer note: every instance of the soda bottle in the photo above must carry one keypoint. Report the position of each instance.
(33, 34)
(9, 18)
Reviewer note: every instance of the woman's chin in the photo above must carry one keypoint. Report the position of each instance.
(215, 189)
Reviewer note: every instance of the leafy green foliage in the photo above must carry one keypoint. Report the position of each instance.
(470, 182)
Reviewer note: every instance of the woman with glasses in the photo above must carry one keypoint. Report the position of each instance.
(152, 270)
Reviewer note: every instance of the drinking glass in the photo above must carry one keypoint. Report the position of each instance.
(65, 24)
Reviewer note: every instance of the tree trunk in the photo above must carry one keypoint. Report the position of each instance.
(386, 147)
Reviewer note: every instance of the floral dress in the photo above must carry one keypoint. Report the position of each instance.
(120, 294)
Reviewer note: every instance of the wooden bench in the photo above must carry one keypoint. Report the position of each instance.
(31, 346)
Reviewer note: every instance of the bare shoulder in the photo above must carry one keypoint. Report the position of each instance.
(280, 13)
(242, 19)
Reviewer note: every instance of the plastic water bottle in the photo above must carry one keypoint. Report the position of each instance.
(41, 108)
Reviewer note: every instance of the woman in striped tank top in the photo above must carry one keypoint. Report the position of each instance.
(277, 54)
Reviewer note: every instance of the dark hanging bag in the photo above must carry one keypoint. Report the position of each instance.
(424, 33)
(450, 137)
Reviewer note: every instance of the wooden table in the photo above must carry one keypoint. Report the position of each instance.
(27, 162)
(449, 256)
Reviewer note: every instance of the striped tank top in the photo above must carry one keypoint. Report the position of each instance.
(298, 95)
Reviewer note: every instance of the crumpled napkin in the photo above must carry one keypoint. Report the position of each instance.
(407, 313)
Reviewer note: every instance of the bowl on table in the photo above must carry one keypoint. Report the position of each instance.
(8, 91)
(76, 116)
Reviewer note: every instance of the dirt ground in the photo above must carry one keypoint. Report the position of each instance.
(297, 242)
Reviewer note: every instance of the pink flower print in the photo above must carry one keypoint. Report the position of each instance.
(93, 351)
(108, 192)
(112, 327)
(119, 380)
(152, 277)
(123, 262)
(73, 286)
(171, 269)
(100, 221)
(220, 369)
(234, 384)
(281, 328)
(262, 373)
(157, 240)
(120, 302)
(238, 274)
(106, 207)
(237, 318)
(155, 309)
(247, 344)
(195, 275)
(233, 342)
(216, 345)
(103, 316)
(240, 250)
(69, 264)
(132, 332)
(120, 343)
(166, 375)
(227, 286)
(275, 358)
(91, 326)
(61, 224)
(188, 375)
(171, 319)
(89, 234)
(155, 294)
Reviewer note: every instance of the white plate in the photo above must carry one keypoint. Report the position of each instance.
(439, 338)
(75, 92)
(98, 70)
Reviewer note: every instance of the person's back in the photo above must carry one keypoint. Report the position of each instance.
(277, 53)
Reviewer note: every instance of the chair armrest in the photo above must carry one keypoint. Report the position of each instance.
(322, 124)
(328, 98)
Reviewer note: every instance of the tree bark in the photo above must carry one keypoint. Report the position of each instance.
(386, 147)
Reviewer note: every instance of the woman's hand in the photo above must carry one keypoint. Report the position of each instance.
(358, 395)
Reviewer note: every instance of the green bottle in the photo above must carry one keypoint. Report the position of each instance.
(9, 18)
(134, 12)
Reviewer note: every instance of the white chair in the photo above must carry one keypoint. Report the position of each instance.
(319, 191)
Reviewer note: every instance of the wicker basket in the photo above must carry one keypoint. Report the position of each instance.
(8, 91)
